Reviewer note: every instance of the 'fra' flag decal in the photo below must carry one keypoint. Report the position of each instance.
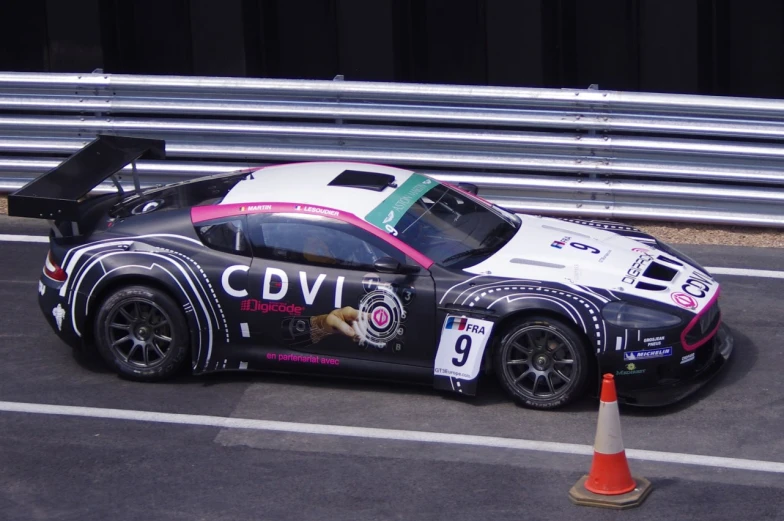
(456, 323)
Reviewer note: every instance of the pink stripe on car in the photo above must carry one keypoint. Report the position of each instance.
(695, 321)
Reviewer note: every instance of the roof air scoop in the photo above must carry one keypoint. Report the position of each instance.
(365, 180)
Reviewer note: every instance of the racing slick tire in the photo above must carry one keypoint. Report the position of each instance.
(141, 333)
(541, 362)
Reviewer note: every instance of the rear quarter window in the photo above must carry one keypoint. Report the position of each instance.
(226, 235)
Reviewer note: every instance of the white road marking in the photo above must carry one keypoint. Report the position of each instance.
(23, 238)
(386, 434)
(743, 272)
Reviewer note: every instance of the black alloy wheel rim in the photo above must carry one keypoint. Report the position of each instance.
(540, 362)
(139, 333)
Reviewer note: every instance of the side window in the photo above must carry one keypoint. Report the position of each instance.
(316, 240)
(225, 235)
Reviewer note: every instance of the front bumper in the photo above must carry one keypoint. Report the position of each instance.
(721, 345)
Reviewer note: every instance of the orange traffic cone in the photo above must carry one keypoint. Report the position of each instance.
(609, 483)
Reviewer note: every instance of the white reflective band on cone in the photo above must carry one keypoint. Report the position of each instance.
(608, 431)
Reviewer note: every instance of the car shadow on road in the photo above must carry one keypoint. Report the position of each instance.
(489, 391)
(91, 361)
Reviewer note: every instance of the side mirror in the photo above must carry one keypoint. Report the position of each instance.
(468, 187)
(390, 265)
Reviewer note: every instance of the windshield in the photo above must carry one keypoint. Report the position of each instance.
(444, 224)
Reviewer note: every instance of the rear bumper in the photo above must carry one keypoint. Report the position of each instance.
(721, 344)
(53, 304)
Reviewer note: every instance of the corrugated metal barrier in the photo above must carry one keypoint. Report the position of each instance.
(592, 153)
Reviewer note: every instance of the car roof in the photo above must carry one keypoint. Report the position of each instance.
(308, 183)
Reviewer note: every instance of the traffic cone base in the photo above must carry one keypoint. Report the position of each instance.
(584, 497)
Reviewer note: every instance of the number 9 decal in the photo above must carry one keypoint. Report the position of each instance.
(581, 246)
(391, 229)
(462, 347)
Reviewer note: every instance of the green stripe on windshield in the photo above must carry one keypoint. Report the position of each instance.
(387, 214)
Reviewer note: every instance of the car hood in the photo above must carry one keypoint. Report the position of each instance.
(547, 249)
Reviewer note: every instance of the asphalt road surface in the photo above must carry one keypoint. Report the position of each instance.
(61, 467)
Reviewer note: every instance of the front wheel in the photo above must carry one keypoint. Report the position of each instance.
(142, 333)
(542, 363)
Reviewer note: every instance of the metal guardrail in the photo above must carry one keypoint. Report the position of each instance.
(570, 152)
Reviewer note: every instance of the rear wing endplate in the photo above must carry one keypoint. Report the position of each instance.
(57, 194)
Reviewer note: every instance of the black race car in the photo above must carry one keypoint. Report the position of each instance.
(364, 270)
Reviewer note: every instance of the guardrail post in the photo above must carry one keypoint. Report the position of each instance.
(592, 131)
(338, 77)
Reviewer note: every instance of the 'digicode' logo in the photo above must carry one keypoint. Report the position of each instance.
(260, 306)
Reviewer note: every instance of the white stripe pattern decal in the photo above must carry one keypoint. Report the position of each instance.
(187, 307)
(173, 261)
(559, 297)
(211, 297)
(511, 290)
(72, 257)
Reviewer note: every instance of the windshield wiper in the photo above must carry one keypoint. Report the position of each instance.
(469, 253)
(498, 243)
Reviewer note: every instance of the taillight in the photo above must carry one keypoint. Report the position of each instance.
(53, 270)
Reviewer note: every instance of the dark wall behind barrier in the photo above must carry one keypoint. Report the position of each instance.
(731, 47)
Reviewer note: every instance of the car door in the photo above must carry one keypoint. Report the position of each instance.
(224, 266)
(317, 287)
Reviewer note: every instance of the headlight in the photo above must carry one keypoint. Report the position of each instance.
(628, 315)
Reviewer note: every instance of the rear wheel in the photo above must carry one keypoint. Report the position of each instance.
(542, 363)
(142, 333)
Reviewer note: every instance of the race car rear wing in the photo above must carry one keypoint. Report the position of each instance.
(59, 193)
